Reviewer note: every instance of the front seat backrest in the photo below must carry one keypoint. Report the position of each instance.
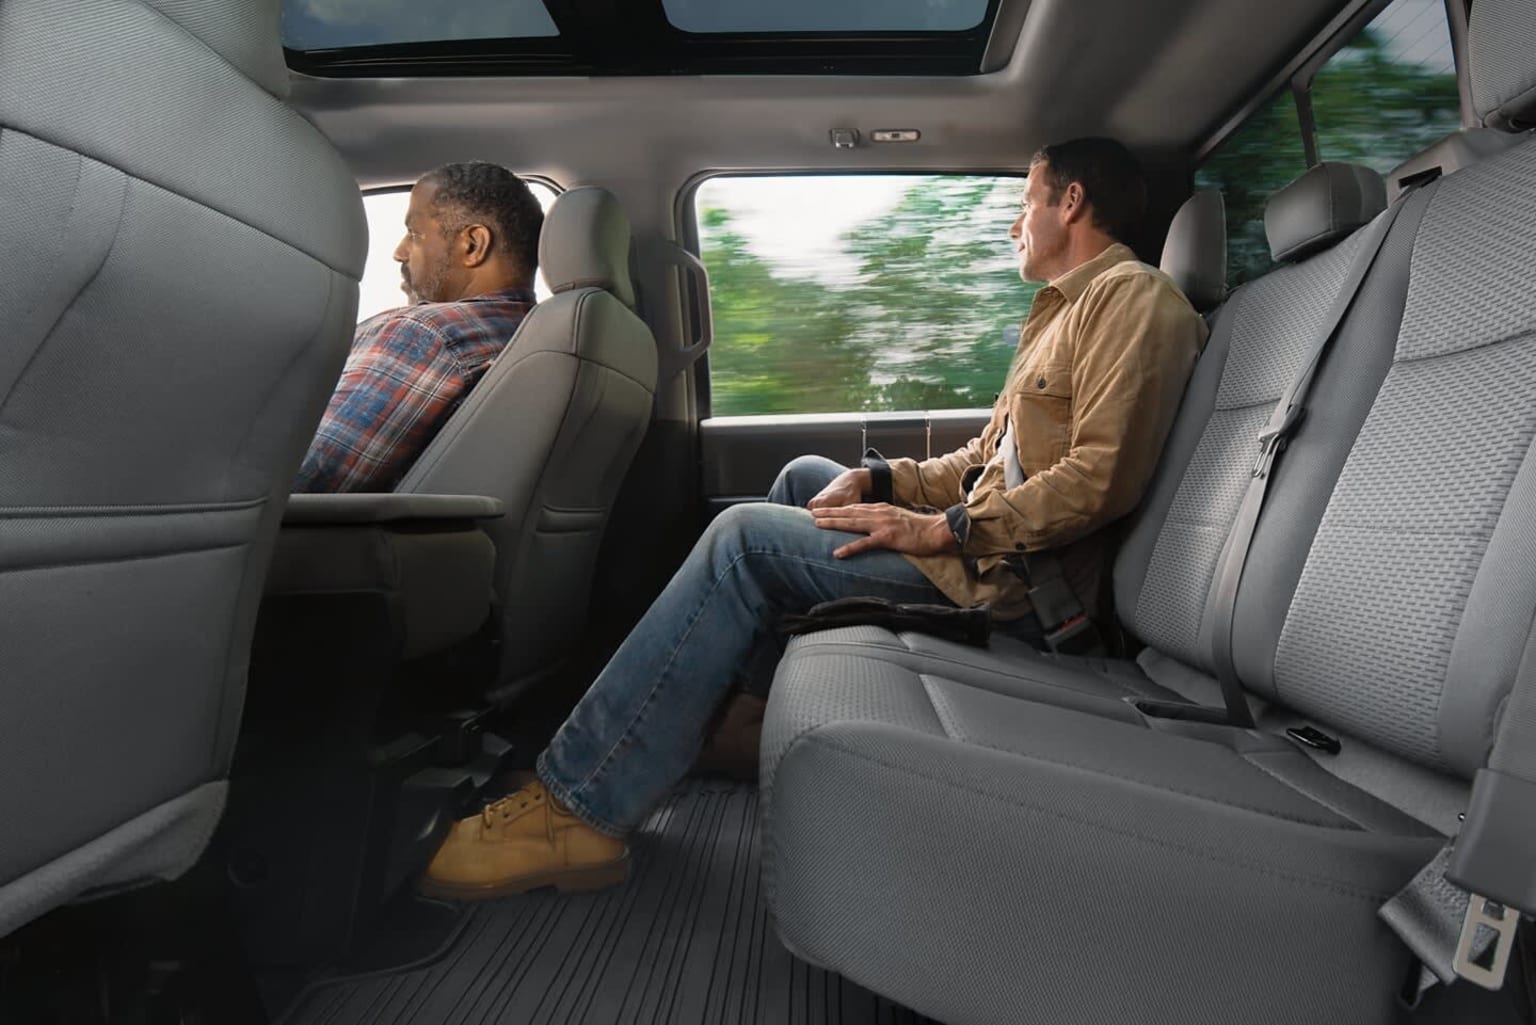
(181, 255)
(551, 430)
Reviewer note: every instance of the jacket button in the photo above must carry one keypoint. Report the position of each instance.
(1040, 382)
(1020, 547)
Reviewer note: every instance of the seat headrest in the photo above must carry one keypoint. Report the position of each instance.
(1501, 50)
(1195, 252)
(585, 244)
(247, 33)
(1321, 207)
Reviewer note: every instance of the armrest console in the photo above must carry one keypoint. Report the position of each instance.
(388, 507)
(425, 556)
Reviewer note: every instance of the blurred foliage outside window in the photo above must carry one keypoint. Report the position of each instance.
(1386, 95)
(901, 292)
(860, 293)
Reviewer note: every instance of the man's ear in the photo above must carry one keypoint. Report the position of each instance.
(1074, 205)
(474, 245)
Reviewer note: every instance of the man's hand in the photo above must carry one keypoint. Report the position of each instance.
(888, 526)
(847, 488)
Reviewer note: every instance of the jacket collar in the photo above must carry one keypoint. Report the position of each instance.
(1075, 282)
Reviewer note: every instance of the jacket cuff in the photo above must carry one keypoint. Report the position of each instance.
(881, 488)
(959, 523)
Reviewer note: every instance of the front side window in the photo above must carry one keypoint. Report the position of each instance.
(860, 293)
(386, 224)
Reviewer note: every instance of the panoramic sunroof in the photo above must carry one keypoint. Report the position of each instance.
(636, 37)
(328, 24)
(825, 15)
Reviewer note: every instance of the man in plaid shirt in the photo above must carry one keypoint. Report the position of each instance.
(467, 263)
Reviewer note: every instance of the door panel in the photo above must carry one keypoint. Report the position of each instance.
(743, 454)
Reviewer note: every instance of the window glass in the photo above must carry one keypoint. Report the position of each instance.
(860, 293)
(386, 225)
(1392, 91)
(1250, 166)
(825, 15)
(327, 24)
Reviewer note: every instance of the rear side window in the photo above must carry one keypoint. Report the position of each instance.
(842, 293)
(1256, 161)
(1392, 91)
(1386, 94)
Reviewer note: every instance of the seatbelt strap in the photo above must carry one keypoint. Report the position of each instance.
(1063, 618)
(1272, 441)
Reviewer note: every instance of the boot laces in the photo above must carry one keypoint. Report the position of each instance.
(516, 803)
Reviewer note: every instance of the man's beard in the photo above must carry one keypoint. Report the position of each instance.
(424, 290)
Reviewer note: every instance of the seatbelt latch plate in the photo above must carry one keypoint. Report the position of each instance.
(1483, 913)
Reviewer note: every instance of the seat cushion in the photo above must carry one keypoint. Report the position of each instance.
(984, 856)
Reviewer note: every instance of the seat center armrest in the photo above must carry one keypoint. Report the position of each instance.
(388, 507)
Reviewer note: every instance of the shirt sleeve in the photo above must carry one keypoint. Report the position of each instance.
(399, 383)
(1139, 341)
(937, 481)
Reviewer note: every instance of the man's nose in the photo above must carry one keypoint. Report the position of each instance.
(1017, 229)
(400, 254)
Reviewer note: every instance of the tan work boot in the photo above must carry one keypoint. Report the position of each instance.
(519, 843)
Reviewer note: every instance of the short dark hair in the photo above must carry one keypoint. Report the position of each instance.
(1111, 177)
(479, 192)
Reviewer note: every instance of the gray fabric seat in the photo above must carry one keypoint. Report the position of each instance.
(182, 256)
(551, 430)
(1057, 856)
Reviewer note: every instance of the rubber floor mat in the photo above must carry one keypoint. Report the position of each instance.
(686, 940)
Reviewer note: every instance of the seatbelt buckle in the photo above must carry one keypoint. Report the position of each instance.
(1503, 921)
(1075, 636)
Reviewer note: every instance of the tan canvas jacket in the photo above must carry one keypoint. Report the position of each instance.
(1102, 362)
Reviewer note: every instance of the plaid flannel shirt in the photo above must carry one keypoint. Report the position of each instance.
(408, 371)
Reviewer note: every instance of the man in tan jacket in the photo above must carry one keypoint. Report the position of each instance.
(1076, 431)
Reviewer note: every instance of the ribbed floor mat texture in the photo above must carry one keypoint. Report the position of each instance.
(685, 940)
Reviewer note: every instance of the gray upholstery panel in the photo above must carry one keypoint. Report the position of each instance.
(1501, 37)
(75, 388)
(1049, 872)
(182, 255)
(123, 83)
(1188, 431)
(1404, 538)
(1340, 399)
(104, 689)
(1326, 203)
(162, 843)
(550, 430)
(1499, 618)
(1195, 251)
(1460, 149)
(241, 33)
(585, 244)
(1268, 329)
(1007, 667)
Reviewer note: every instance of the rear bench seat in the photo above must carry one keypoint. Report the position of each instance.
(996, 836)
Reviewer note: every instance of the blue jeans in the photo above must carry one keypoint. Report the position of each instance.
(639, 727)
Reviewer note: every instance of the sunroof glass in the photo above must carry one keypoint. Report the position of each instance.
(329, 24)
(707, 16)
